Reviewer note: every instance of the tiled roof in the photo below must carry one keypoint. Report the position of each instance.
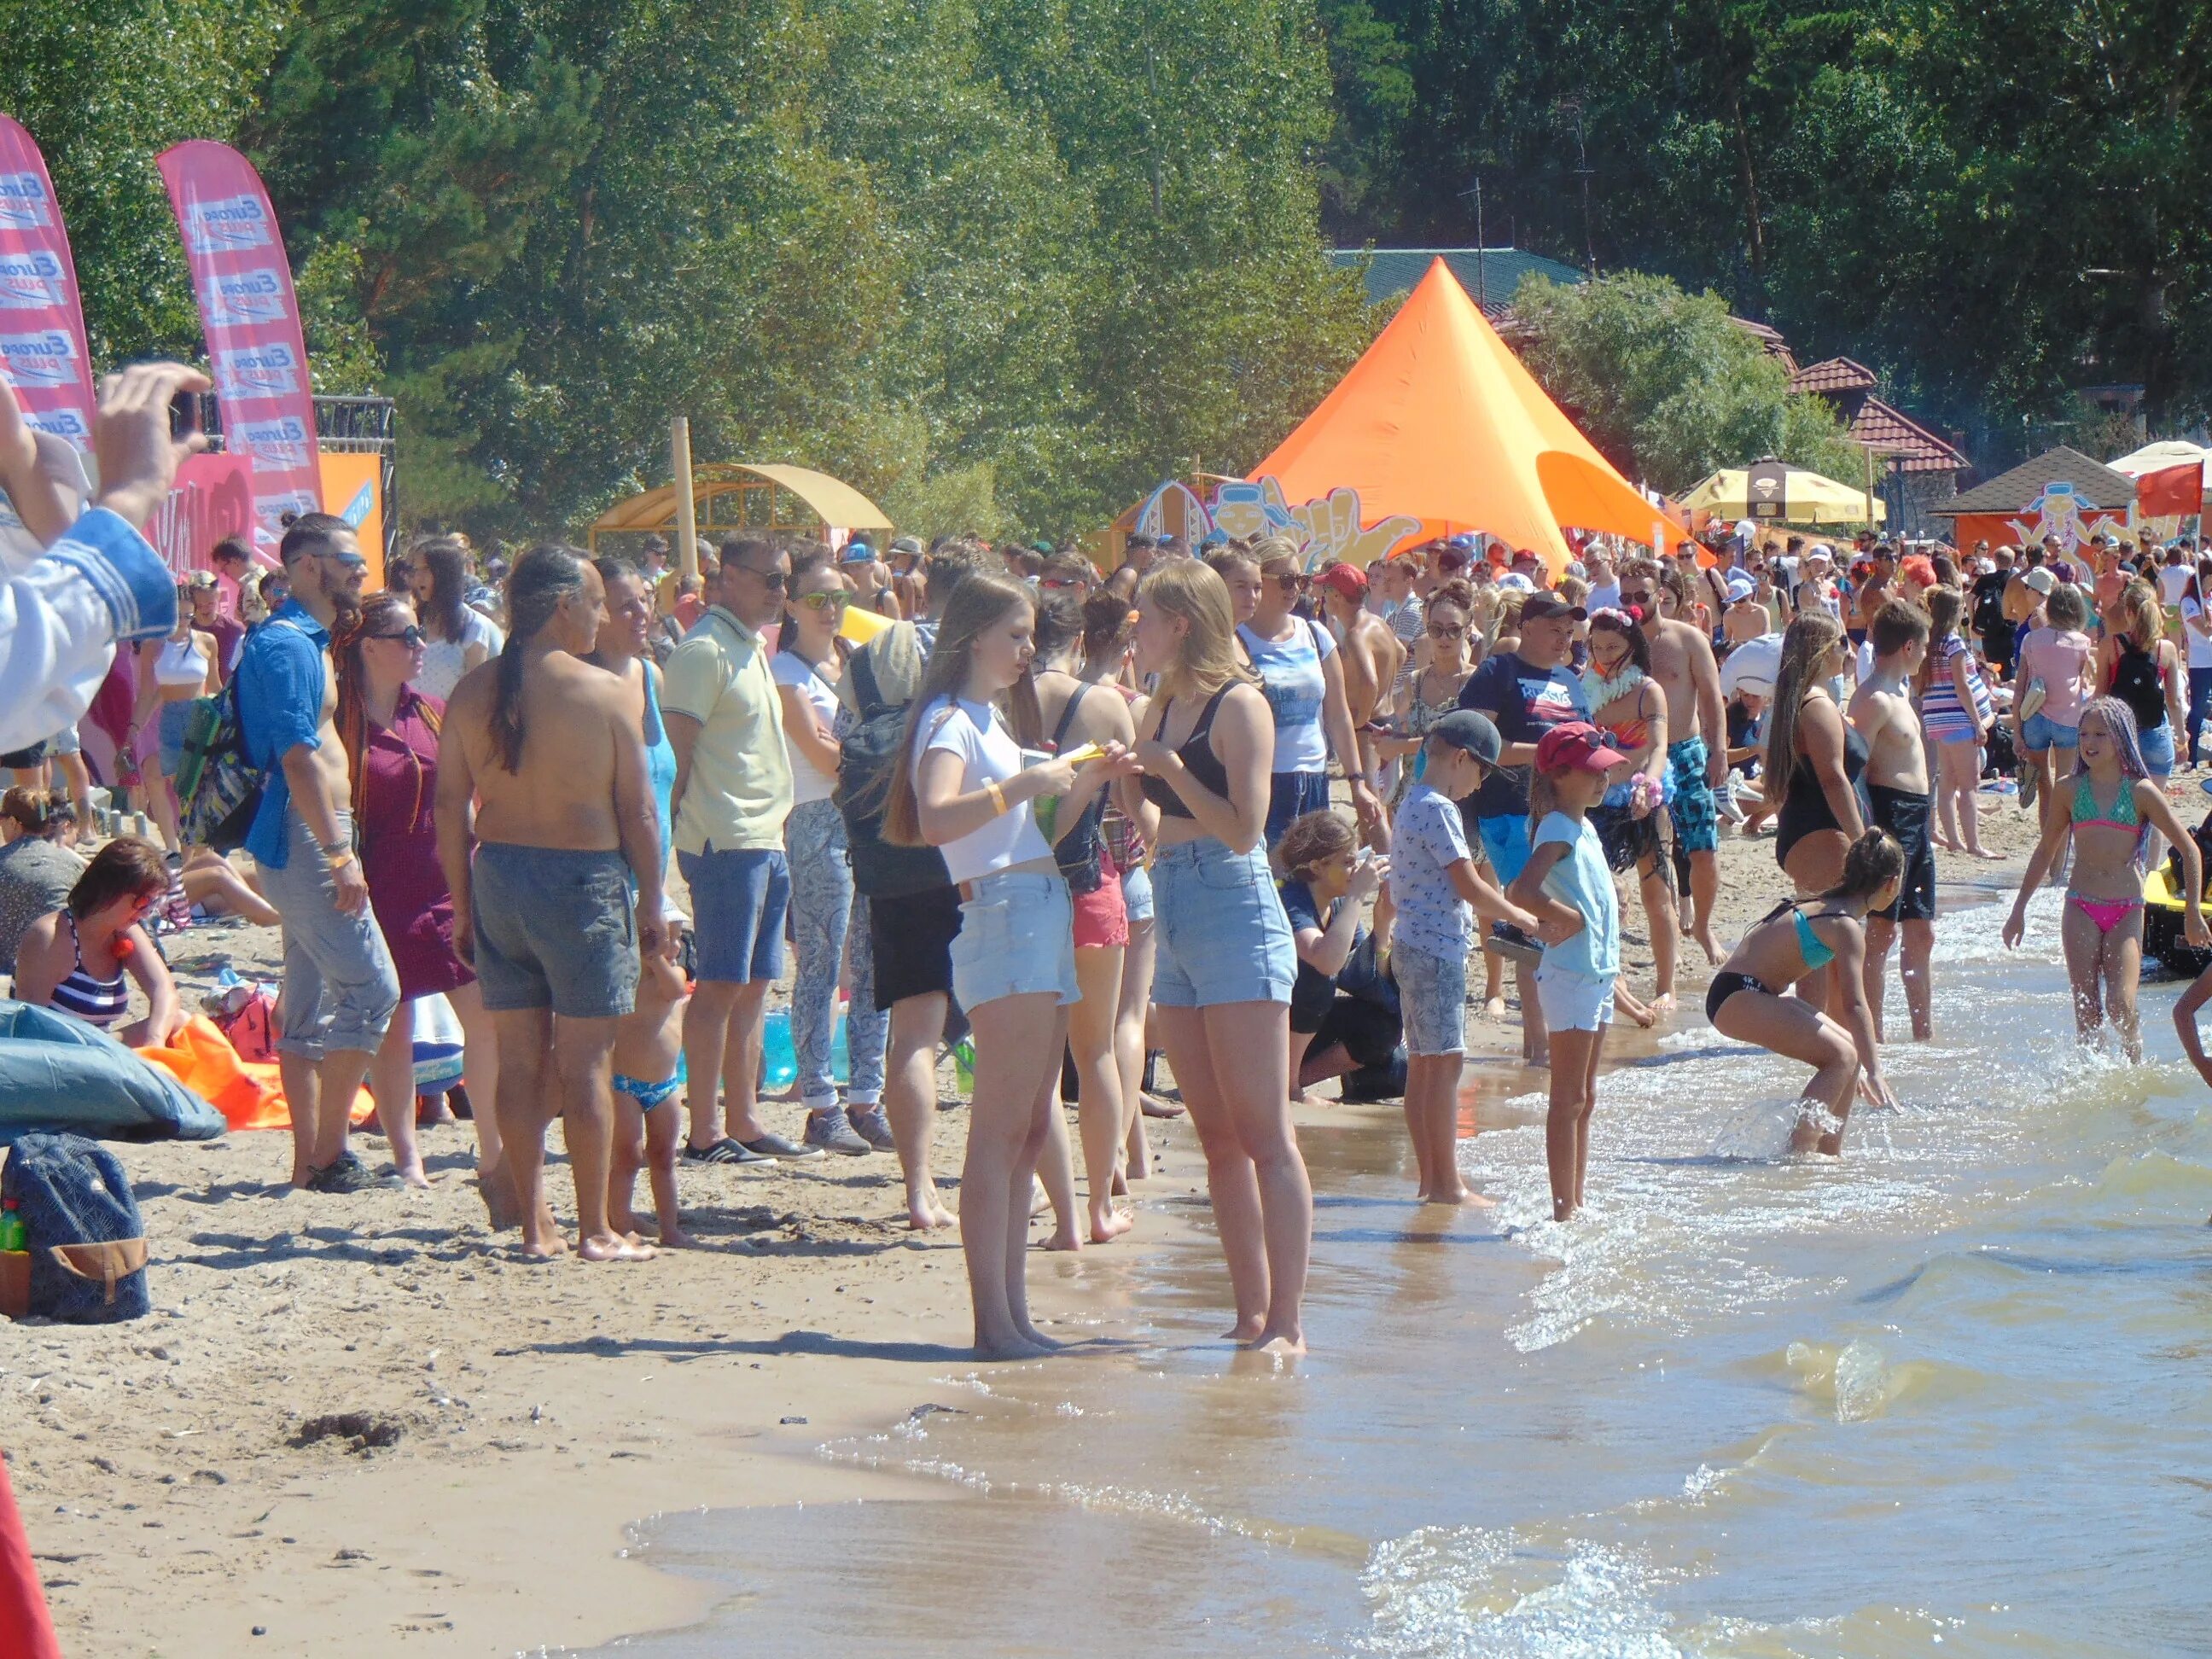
(2009, 492)
(1836, 374)
(1910, 447)
(1490, 280)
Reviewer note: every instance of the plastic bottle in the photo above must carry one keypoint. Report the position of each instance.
(13, 1234)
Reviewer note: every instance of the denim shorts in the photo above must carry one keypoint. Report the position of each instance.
(175, 718)
(739, 900)
(1505, 843)
(2157, 745)
(1290, 796)
(1137, 893)
(1573, 1002)
(1222, 935)
(2040, 730)
(1016, 938)
(1433, 999)
(556, 928)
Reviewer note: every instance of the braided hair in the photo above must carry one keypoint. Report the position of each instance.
(548, 574)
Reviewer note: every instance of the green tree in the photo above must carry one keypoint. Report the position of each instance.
(1665, 383)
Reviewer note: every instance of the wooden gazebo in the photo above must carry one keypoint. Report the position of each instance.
(732, 498)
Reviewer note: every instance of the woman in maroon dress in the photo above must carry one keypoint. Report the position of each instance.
(390, 732)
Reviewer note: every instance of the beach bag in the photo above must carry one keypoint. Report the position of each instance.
(2202, 834)
(867, 757)
(218, 789)
(247, 1017)
(2001, 757)
(88, 1242)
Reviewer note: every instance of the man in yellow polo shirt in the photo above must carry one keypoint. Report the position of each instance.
(733, 793)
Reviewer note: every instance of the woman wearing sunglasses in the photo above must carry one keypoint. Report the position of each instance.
(389, 728)
(82, 958)
(828, 920)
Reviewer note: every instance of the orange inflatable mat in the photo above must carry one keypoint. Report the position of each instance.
(248, 1093)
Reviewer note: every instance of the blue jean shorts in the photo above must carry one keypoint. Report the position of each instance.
(1505, 843)
(2157, 745)
(1137, 893)
(738, 899)
(1222, 935)
(1016, 938)
(1290, 796)
(2038, 731)
(1433, 999)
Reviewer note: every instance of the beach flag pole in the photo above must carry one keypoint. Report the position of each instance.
(27, 1629)
(687, 510)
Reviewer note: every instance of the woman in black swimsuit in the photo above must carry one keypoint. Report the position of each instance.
(1815, 758)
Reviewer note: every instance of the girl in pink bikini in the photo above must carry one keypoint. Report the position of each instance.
(2114, 804)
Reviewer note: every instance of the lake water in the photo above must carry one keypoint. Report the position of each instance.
(1952, 1394)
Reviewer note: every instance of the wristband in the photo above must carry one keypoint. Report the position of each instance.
(337, 861)
(998, 797)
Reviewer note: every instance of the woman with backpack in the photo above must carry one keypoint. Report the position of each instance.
(828, 920)
(1057, 711)
(390, 729)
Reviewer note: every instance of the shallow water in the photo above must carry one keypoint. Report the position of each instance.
(1949, 1393)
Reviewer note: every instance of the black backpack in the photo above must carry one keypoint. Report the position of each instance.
(1988, 609)
(866, 758)
(88, 1244)
(2202, 834)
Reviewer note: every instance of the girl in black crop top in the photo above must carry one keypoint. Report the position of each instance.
(1197, 756)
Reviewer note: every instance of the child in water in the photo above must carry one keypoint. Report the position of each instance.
(1569, 885)
(1793, 942)
(1433, 881)
(2112, 803)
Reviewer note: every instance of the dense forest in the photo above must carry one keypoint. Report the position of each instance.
(1007, 262)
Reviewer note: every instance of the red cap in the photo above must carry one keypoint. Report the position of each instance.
(1576, 746)
(1345, 579)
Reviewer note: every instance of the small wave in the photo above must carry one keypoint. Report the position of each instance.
(1472, 1593)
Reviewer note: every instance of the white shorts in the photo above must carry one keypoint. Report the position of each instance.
(1572, 1002)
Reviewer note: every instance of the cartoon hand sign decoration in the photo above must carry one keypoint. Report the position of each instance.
(1332, 532)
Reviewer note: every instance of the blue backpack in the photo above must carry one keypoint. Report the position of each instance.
(88, 1244)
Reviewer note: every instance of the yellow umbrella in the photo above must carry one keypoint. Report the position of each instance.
(1808, 499)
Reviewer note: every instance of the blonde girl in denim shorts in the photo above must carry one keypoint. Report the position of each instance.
(960, 786)
(1226, 959)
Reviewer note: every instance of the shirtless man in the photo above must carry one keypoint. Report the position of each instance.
(1372, 656)
(1697, 752)
(1897, 788)
(542, 764)
(340, 988)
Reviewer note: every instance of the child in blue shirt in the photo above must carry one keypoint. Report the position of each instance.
(1436, 892)
(1569, 885)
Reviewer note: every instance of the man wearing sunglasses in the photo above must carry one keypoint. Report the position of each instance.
(340, 987)
(733, 791)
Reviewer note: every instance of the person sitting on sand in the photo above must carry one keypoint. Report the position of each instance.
(82, 958)
(2110, 809)
(1746, 999)
(1438, 895)
(1324, 885)
(37, 868)
(543, 764)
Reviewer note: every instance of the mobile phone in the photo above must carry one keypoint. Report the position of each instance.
(183, 415)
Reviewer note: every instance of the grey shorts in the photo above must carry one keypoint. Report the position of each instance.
(340, 988)
(1432, 997)
(555, 928)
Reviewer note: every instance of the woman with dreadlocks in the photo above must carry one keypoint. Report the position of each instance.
(390, 729)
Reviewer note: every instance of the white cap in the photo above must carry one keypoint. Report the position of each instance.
(1753, 666)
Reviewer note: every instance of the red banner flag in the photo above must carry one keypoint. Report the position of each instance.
(42, 349)
(255, 351)
(2171, 490)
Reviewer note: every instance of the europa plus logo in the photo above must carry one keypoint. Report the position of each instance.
(29, 280)
(284, 444)
(24, 204)
(239, 298)
(262, 371)
(225, 224)
(43, 359)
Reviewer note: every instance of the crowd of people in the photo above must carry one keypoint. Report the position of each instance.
(1210, 806)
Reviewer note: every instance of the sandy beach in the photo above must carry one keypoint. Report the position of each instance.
(364, 1426)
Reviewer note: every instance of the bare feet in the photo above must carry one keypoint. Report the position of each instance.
(612, 1247)
(1662, 1006)
(1282, 1345)
(500, 1208)
(1153, 1107)
(544, 1246)
(1248, 1328)
(1714, 955)
(1037, 1340)
(1984, 852)
(1465, 1196)
(925, 1213)
(673, 1238)
(1110, 1223)
(1494, 1009)
(1008, 1347)
(1063, 1238)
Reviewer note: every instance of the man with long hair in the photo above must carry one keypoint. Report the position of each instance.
(542, 764)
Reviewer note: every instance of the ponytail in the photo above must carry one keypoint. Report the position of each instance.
(541, 578)
(1871, 863)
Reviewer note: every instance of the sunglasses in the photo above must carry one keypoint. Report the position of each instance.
(826, 600)
(1641, 596)
(1292, 584)
(1447, 633)
(411, 636)
(774, 581)
(1054, 584)
(350, 560)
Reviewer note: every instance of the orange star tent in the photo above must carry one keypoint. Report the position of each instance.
(1439, 421)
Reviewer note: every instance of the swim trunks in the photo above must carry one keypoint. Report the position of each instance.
(1697, 820)
(555, 928)
(1906, 817)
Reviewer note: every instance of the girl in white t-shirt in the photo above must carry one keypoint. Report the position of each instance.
(2197, 631)
(455, 638)
(960, 786)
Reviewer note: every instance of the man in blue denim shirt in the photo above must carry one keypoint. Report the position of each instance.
(340, 988)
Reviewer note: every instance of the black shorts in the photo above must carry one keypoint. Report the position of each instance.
(912, 939)
(1905, 816)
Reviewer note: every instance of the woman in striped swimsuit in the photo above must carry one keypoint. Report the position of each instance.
(82, 958)
(1956, 707)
